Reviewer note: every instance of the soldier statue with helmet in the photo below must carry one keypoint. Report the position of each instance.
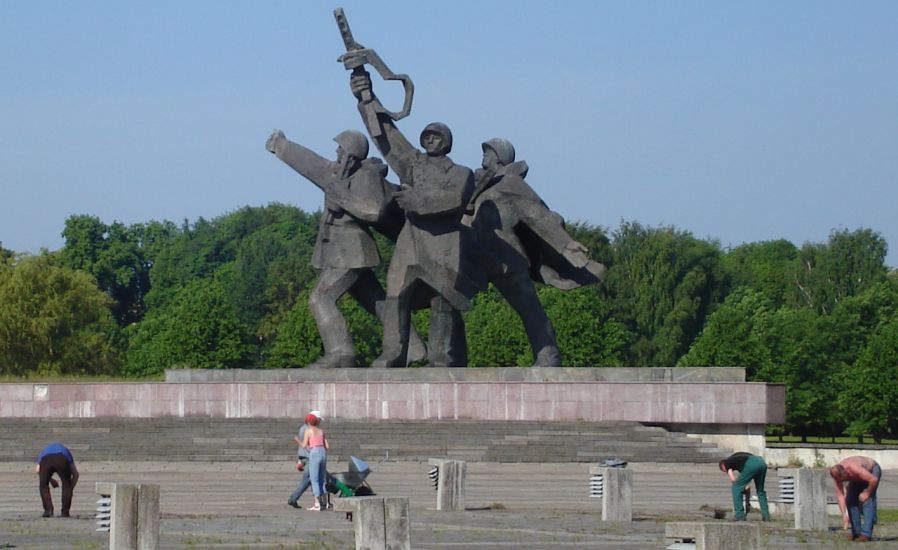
(520, 240)
(357, 196)
(426, 268)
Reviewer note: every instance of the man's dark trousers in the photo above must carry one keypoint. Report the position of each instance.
(56, 464)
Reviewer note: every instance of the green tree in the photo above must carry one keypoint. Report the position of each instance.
(662, 284)
(733, 335)
(856, 318)
(850, 262)
(119, 257)
(261, 255)
(200, 330)
(767, 267)
(296, 342)
(587, 335)
(798, 349)
(5, 255)
(870, 388)
(54, 320)
(495, 333)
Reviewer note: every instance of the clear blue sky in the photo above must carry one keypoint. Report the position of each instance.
(737, 121)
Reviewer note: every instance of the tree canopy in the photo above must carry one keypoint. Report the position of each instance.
(54, 320)
(133, 300)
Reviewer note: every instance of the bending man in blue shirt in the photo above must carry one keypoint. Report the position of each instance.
(56, 459)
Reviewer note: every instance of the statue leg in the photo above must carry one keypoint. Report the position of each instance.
(370, 295)
(338, 350)
(396, 320)
(397, 313)
(447, 345)
(519, 292)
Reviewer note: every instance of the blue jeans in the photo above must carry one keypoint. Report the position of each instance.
(303, 484)
(318, 469)
(867, 509)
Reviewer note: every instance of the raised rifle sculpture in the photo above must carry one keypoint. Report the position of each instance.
(355, 59)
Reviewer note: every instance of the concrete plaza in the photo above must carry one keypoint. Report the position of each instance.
(243, 505)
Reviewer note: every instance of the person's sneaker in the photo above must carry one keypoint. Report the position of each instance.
(293, 503)
(64, 515)
(862, 538)
(47, 514)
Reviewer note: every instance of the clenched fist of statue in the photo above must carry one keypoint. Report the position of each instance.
(276, 141)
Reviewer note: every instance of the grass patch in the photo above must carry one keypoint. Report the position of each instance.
(887, 515)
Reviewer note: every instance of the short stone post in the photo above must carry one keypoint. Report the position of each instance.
(450, 483)
(617, 492)
(123, 527)
(134, 516)
(397, 523)
(380, 523)
(810, 499)
(147, 517)
(714, 536)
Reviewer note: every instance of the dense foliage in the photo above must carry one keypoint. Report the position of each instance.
(233, 292)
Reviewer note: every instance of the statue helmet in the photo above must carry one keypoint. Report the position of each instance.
(354, 143)
(502, 147)
(443, 131)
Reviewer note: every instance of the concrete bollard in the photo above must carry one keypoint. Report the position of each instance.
(380, 523)
(134, 515)
(123, 527)
(147, 516)
(450, 483)
(713, 536)
(616, 491)
(810, 499)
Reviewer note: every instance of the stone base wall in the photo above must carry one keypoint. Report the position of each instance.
(472, 374)
(650, 402)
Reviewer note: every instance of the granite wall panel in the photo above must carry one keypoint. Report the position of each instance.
(660, 402)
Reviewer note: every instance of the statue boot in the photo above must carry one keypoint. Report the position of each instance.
(338, 351)
(447, 345)
(396, 335)
(417, 351)
(548, 356)
(338, 361)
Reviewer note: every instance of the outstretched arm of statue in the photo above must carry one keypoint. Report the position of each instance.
(310, 164)
(548, 225)
(391, 143)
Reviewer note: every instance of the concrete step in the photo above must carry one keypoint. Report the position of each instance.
(266, 440)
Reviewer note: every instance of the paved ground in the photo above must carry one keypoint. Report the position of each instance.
(235, 505)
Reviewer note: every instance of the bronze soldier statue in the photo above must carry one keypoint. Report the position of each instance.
(356, 197)
(427, 261)
(520, 240)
